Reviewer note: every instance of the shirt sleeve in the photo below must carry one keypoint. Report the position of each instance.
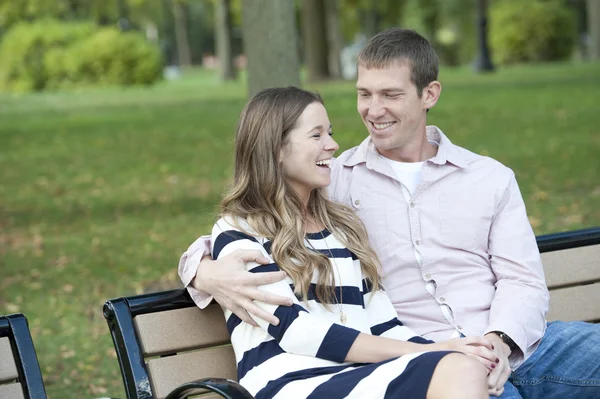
(298, 331)
(521, 300)
(383, 319)
(188, 265)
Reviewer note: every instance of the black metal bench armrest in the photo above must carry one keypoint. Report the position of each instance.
(226, 388)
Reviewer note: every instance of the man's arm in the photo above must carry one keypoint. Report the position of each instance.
(521, 300)
(227, 281)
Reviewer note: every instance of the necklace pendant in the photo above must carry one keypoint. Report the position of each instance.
(343, 318)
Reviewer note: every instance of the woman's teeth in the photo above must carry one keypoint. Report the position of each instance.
(325, 162)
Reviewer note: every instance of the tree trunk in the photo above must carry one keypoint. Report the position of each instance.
(430, 18)
(370, 19)
(223, 40)
(335, 38)
(270, 44)
(181, 32)
(314, 36)
(593, 13)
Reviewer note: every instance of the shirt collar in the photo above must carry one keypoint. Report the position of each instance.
(447, 152)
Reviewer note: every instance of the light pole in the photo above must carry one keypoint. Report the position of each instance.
(482, 62)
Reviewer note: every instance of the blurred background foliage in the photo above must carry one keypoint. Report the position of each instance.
(43, 43)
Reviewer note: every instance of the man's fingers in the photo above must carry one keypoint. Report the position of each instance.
(492, 380)
(257, 279)
(261, 314)
(243, 315)
(252, 256)
(266, 297)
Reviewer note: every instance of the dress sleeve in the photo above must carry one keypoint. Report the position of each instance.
(383, 318)
(299, 331)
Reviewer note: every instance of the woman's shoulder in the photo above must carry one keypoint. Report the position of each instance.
(234, 224)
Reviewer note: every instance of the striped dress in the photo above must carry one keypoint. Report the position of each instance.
(303, 357)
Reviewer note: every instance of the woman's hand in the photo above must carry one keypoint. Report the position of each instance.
(480, 348)
(228, 282)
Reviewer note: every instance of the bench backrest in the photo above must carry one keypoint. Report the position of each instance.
(572, 267)
(20, 375)
(163, 339)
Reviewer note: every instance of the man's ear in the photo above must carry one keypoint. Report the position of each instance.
(431, 94)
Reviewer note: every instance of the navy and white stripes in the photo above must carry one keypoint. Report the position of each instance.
(308, 347)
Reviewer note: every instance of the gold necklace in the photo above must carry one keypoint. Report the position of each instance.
(343, 318)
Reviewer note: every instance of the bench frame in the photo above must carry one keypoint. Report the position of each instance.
(120, 312)
(16, 328)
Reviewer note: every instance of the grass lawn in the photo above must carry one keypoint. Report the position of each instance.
(102, 190)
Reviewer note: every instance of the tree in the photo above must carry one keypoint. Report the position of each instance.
(593, 12)
(270, 44)
(179, 8)
(223, 39)
(314, 35)
(334, 37)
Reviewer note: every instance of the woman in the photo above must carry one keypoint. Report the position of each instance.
(341, 338)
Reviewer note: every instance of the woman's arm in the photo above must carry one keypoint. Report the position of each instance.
(385, 325)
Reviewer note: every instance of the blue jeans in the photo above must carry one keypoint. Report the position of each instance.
(565, 365)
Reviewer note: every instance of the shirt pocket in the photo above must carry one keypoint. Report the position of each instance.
(465, 222)
(370, 206)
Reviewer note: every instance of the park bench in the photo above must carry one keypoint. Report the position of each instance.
(20, 375)
(163, 340)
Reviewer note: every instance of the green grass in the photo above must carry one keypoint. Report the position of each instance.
(102, 190)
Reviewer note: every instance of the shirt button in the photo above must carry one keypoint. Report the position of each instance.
(357, 202)
(412, 204)
(442, 299)
(428, 276)
(418, 242)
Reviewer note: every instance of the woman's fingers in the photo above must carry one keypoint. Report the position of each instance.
(479, 341)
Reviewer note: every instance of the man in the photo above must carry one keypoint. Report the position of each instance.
(459, 256)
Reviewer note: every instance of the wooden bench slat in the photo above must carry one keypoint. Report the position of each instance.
(11, 391)
(181, 330)
(575, 303)
(8, 368)
(166, 373)
(572, 266)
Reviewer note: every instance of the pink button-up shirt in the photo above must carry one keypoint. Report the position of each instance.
(468, 221)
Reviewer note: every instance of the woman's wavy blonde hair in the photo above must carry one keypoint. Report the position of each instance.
(261, 195)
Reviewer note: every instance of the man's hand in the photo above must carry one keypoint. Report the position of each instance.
(227, 280)
(499, 375)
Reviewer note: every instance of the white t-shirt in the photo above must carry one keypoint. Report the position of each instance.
(409, 174)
